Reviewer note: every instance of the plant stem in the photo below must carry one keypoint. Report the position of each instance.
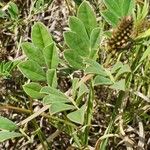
(41, 136)
(89, 114)
(26, 111)
(121, 97)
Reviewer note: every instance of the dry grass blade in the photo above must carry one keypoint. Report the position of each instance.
(142, 96)
(36, 114)
(141, 141)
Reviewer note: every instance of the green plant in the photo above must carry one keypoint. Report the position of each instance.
(83, 41)
(117, 9)
(6, 68)
(8, 129)
(72, 111)
(42, 62)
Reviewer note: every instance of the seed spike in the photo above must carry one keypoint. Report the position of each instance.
(121, 35)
